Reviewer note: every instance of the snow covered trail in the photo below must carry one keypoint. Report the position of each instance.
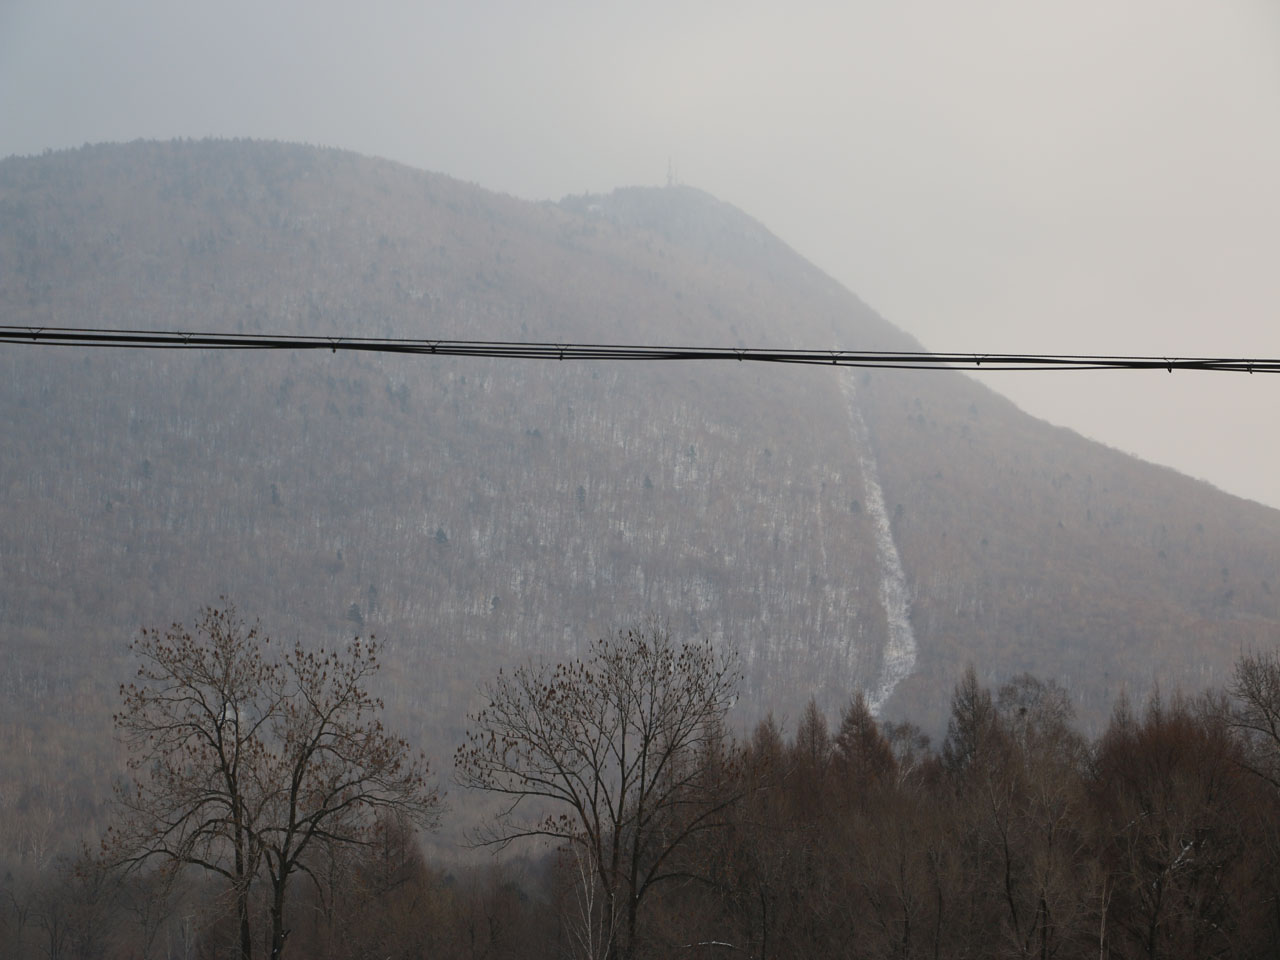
(900, 648)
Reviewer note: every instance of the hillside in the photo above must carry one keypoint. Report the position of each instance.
(472, 513)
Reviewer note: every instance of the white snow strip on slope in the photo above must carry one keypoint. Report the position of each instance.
(900, 648)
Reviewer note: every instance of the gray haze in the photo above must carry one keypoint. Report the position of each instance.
(992, 176)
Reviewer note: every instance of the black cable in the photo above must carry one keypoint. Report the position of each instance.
(898, 360)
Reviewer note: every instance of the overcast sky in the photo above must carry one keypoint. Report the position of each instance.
(1099, 176)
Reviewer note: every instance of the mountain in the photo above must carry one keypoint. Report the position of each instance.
(843, 530)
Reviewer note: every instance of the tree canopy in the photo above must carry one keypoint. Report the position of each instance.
(623, 748)
(245, 763)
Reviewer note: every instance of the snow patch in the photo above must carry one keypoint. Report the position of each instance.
(900, 648)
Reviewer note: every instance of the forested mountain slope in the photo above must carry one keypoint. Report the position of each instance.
(472, 513)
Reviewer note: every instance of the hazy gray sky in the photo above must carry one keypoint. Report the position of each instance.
(1099, 176)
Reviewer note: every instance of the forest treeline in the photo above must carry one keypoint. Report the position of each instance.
(1016, 836)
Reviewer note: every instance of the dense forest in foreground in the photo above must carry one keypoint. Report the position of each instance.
(1016, 837)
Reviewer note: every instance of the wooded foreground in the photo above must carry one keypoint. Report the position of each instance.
(660, 835)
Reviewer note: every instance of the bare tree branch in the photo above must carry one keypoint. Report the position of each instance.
(616, 743)
(242, 762)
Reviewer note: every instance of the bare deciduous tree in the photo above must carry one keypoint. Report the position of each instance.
(623, 747)
(1256, 689)
(244, 763)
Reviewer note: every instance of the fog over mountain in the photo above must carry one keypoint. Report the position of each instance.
(980, 662)
(994, 176)
(842, 530)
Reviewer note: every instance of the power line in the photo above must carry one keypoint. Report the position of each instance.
(898, 360)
